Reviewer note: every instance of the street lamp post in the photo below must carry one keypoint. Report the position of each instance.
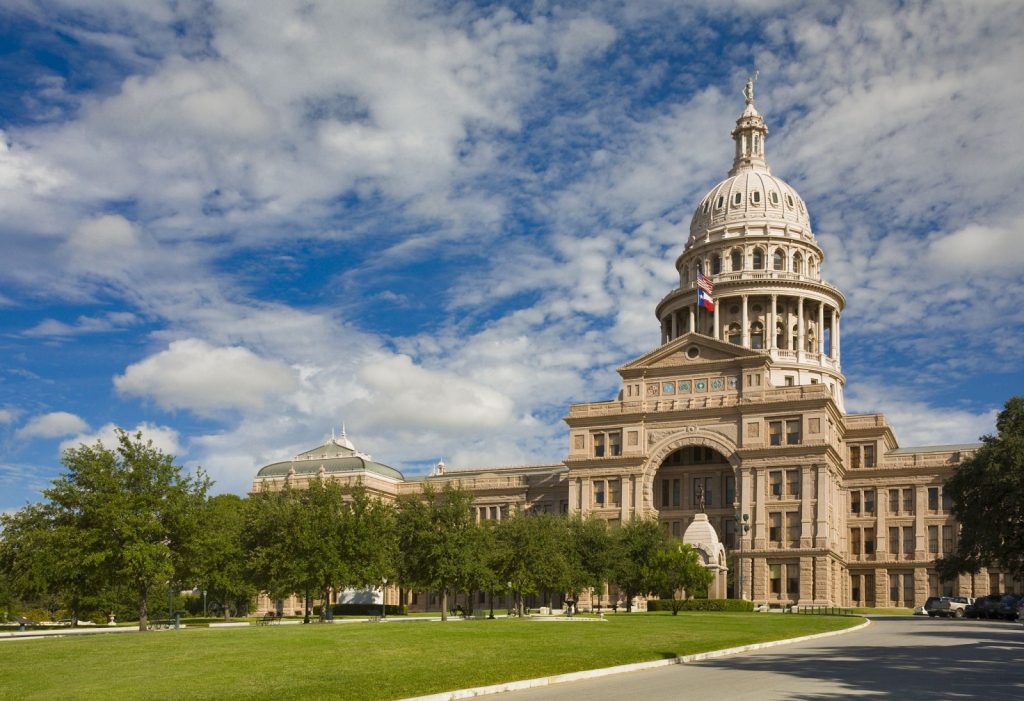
(383, 611)
(744, 527)
(204, 603)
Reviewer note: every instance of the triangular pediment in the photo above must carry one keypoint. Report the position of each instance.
(692, 350)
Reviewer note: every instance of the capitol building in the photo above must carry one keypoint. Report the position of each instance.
(736, 421)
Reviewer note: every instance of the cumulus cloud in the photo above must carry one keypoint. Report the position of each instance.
(8, 416)
(52, 425)
(165, 438)
(193, 374)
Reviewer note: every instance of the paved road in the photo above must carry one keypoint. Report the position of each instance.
(893, 658)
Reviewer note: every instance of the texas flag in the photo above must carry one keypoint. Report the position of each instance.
(705, 300)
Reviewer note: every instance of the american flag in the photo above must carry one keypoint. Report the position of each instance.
(705, 283)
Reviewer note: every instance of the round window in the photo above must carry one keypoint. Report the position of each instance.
(693, 352)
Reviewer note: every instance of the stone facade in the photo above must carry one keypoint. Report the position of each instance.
(743, 403)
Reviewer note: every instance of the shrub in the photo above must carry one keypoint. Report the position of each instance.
(702, 605)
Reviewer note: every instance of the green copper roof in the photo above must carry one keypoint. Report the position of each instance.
(336, 456)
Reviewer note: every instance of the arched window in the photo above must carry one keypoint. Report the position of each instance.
(735, 334)
(720, 202)
(775, 199)
(716, 264)
(756, 197)
(757, 335)
(737, 259)
(794, 338)
(812, 267)
(758, 259)
(798, 262)
(779, 260)
(737, 198)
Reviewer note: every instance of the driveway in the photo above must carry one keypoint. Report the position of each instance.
(898, 658)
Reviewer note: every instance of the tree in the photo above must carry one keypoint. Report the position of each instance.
(589, 554)
(215, 559)
(636, 547)
(988, 500)
(130, 512)
(678, 566)
(439, 541)
(530, 553)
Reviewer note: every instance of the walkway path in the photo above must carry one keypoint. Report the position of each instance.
(895, 658)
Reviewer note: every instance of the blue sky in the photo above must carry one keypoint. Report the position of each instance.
(235, 225)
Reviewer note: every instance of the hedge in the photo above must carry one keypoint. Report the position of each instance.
(364, 610)
(701, 605)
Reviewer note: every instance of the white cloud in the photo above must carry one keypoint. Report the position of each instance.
(193, 374)
(52, 425)
(165, 438)
(111, 321)
(980, 249)
(8, 416)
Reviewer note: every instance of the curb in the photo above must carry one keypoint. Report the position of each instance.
(621, 669)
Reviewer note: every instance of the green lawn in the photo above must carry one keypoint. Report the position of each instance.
(366, 660)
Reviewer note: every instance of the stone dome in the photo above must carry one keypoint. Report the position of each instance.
(750, 196)
(701, 535)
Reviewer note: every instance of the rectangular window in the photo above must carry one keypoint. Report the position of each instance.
(730, 534)
(855, 588)
(908, 590)
(908, 502)
(855, 541)
(869, 541)
(698, 483)
(933, 498)
(894, 501)
(793, 581)
(894, 542)
(775, 481)
(677, 493)
(775, 432)
(599, 492)
(793, 483)
(677, 529)
(793, 528)
(793, 432)
(664, 494)
(947, 540)
(775, 572)
(947, 501)
(933, 539)
(869, 501)
(908, 541)
(775, 528)
(709, 492)
(855, 502)
(598, 445)
(615, 443)
(614, 492)
(730, 491)
(854, 456)
(894, 588)
(869, 456)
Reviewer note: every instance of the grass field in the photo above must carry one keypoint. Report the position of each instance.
(365, 660)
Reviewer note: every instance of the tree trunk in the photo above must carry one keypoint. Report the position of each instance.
(305, 603)
(629, 601)
(444, 603)
(143, 607)
(227, 609)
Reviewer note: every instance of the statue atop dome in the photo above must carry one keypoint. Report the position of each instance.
(748, 91)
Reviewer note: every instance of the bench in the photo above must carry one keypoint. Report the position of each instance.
(24, 623)
(268, 618)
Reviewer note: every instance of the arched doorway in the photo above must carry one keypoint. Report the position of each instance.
(683, 477)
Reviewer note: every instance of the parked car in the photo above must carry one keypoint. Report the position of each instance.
(931, 605)
(1007, 608)
(984, 607)
(952, 606)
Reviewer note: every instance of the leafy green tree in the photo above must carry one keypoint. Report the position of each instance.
(635, 552)
(130, 511)
(677, 566)
(988, 500)
(589, 554)
(215, 558)
(531, 554)
(439, 541)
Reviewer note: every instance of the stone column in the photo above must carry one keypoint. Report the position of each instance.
(881, 530)
(882, 588)
(806, 581)
(625, 492)
(745, 321)
(675, 325)
(835, 334)
(772, 323)
(638, 495)
(574, 494)
(587, 497)
(821, 539)
(800, 327)
(758, 579)
(717, 331)
(822, 588)
(806, 514)
(920, 586)
(760, 515)
(920, 530)
(821, 328)
(692, 309)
